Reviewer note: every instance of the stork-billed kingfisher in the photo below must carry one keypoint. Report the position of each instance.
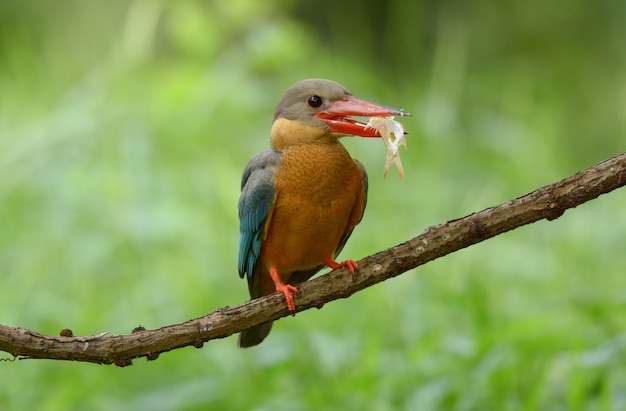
(301, 199)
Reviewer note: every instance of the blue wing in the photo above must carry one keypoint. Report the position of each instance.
(258, 193)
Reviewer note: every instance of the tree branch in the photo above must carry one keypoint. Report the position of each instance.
(548, 202)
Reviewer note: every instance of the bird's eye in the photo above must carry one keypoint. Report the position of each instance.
(315, 101)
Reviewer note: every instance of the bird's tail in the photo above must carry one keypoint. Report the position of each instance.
(254, 336)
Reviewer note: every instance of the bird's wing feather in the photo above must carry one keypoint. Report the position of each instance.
(258, 194)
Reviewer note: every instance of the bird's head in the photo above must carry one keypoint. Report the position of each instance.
(322, 110)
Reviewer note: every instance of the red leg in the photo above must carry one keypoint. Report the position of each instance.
(352, 266)
(286, 289)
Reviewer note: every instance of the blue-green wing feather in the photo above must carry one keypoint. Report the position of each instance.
(258, 193)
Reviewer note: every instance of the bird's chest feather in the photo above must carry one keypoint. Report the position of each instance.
(319, 181)
(317, 188)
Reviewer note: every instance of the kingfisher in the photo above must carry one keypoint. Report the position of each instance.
(301, 199)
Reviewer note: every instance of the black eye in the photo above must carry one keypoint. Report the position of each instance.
(315, 101)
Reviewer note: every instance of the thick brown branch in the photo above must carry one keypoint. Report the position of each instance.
(548, 202)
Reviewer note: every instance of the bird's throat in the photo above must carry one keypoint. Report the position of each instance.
(286, 133)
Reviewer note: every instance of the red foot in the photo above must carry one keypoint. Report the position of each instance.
(352, 266)
(286, 289)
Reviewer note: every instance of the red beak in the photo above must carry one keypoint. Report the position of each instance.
(337, 116)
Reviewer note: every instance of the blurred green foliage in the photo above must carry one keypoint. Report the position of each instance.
(124, 128)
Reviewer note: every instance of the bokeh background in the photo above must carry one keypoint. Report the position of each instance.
(124, 129)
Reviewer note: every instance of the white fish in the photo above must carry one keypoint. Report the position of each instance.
(393, 135)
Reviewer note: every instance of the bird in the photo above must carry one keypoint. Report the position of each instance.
(301, 199)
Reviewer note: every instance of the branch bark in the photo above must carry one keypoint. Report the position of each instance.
(548, 202)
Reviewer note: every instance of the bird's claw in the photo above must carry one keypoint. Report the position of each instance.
(288, 290)
(350, 264)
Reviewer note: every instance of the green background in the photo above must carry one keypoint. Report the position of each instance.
(124, 129)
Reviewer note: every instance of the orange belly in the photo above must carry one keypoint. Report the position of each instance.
(319, 197)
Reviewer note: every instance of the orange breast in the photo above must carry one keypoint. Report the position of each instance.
(319, 197)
